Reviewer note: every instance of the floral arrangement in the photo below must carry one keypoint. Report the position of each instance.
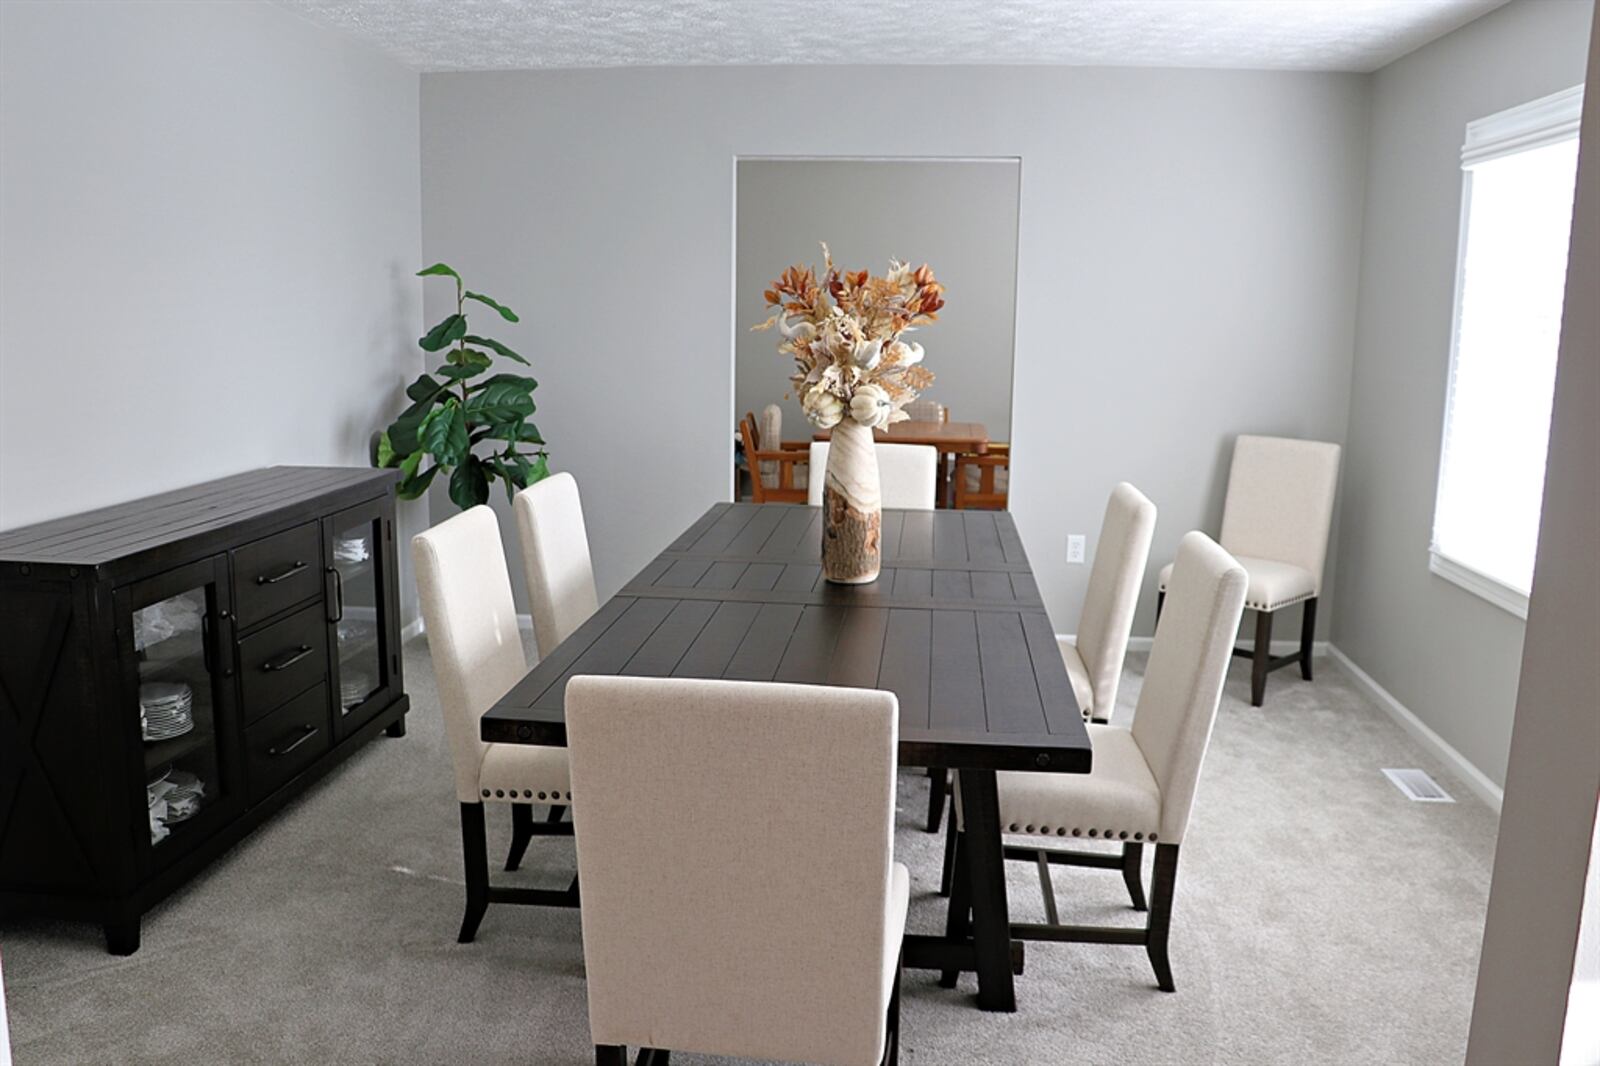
(845, 335)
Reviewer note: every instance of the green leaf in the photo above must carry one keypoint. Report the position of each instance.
(460, 373)
(497, 347)
(505, 312)
(470, 357)
(386, 455)
(413, 487)
(499, 403)
(518, 432)
(403, 431)
(469, 485)
(408, 465)
(438, 269)
(537, 469)
(444, 433)
(524, 383)
(447, 332)
(425, 387)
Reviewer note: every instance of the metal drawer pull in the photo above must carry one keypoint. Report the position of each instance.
(306, 733)
(284, 575)
(286, 660)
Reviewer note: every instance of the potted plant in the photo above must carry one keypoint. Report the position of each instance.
(472, 429)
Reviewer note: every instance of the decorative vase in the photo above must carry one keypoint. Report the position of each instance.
(852, 515)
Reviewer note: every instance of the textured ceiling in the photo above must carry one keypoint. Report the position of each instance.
(1351, 35)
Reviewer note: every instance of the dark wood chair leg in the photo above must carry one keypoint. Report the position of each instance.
(652, 1056)
(1261, 660)
(891, 1041)
(1161, 601)
(475, 859)
(958, 920)
(1163, 878)
(610, 1055)
(1132, 861)
(947, 874)
(521, 833)
(1308, 632)
(555, 814)
(938, 791)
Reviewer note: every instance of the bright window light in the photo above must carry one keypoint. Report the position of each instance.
(1521, 169)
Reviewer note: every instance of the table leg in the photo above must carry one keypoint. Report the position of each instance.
(985, 869)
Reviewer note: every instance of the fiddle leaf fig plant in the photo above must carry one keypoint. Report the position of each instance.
(471, 429)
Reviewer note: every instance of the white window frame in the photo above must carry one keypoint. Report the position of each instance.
(1548, 120)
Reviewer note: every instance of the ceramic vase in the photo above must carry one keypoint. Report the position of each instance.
(851, 508)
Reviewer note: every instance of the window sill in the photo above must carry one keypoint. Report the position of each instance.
(1498, 593)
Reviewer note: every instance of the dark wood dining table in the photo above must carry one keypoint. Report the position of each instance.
(954, 626)
(949, 438)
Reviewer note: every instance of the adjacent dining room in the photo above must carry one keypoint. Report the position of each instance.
(644, 532)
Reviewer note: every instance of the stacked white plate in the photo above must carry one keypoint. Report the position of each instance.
(354, 686)
(350, 550)
(166, 709)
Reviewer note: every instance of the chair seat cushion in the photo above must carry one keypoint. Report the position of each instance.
(527, 773)
(894, 929)
(1078, 674)
(1272, 584)
(1118, 800)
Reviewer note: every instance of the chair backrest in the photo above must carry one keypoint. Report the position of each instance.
(1120, 559)
(1183, 681)
(734, 847)
(555, 559)
(908, 474)
(1280, 501)
(465, 592)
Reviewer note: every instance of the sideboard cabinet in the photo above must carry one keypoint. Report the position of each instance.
(174, 669)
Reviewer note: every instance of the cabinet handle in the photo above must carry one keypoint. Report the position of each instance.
(286, 660)
(306, 733)
(338, 594)
(282, 575)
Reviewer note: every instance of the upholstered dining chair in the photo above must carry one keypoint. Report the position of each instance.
(555, 559)
(1275, 521)
(471, 624)
(1094, 658)
(701, 935)
(908, 473)
(1142, 787)
(787, 482)
(983, 482)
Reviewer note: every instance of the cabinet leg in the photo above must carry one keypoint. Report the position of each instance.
(122, 935)
(397, 728)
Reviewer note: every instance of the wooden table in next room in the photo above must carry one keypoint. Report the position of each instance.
(954, 626)
(950, 438)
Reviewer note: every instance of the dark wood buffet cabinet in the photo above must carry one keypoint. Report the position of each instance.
(174, 669)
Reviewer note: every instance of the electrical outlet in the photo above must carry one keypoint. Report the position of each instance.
(1074, 547)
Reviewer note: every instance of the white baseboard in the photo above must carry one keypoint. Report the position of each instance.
(415, 628)
(1477, 782)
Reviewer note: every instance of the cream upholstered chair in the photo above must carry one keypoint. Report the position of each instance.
(1094, 662)
(1143, 783)
(477, 657)
(719, 915)
(1275, 521)
(909, 474)
(555, 559)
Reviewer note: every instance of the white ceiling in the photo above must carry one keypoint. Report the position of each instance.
(1349, 35)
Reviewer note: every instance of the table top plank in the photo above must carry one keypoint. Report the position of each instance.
(954, 626)
(946, 436)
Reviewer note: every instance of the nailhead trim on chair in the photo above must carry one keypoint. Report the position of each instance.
(1045, 830)
(527, 793)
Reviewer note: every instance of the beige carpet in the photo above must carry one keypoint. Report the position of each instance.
(1320, 918)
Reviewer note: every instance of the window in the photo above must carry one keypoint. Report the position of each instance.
(1511, 268)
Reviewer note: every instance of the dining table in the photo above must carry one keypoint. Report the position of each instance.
(950, 439)
(954, 626)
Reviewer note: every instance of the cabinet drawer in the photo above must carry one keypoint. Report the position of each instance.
(286, 742)
(282, 660)
(277, 572)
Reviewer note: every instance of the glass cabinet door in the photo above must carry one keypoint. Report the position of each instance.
(179, 700)
(359, 548)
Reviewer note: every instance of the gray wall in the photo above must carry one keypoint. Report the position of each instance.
(958, 216)
(1186, 269)
(209, 218)
(1448, 655)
